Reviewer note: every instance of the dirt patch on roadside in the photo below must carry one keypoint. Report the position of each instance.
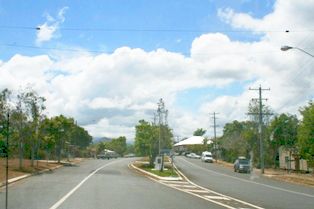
(295, 178)
(39, 165)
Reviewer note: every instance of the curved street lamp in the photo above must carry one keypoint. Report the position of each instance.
(286, 48)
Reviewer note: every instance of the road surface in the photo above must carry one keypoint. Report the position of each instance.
(111, 184)
(260, 191)
(103, 184)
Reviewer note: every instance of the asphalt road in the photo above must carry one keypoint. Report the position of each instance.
(94, 184)
(252, 188)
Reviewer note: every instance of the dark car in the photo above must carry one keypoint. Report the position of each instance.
(242, 165)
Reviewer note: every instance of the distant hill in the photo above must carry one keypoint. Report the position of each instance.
(101, 139)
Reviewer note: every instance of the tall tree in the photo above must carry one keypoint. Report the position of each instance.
(4, 110)
(306, 133)
(254, 112)
(239, 138)
(35, 107)
(146, 140)
(118, 145)
(199, 132)
(283, 132)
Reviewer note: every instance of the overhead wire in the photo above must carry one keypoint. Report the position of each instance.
(190, 30)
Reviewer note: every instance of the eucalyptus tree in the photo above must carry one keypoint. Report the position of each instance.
(4, 110)
(34, 109)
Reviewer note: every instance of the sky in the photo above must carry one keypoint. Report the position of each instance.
(107, 63)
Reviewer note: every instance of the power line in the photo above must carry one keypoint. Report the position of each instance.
(185, 30)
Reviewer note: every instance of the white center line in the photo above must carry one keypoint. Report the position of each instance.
(57, 204)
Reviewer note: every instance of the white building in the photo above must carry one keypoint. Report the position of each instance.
(183, 145)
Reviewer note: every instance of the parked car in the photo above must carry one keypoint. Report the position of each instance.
(207, 157)
(242, 165)
(193, 155)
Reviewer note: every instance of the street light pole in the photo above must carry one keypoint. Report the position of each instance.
(286, 48)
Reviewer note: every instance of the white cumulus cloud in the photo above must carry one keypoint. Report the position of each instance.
(48, 30)
(109, 93)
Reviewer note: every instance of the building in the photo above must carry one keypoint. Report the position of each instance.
(191, 144)
(289, 161)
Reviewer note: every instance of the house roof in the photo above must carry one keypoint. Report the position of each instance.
(192, 141)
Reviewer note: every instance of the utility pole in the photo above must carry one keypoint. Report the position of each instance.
(260, 128)
(215, 139)
(162, 120)
(7, 162)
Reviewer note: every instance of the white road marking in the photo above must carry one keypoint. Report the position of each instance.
(211, 191)
(252, 182)
(57, 204)
(196, 190)
(175, 182)
(216, 197)
(194, 194)
(183, 186)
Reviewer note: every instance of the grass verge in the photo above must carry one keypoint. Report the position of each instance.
(167, 172)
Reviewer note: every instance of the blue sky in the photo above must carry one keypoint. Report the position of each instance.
(108, 62)
(140, 15)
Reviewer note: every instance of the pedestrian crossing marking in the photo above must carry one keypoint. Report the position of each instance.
(196, 191)
(217, 197)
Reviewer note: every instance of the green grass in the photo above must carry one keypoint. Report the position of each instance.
(166, 172)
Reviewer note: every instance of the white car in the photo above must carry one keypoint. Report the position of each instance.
(194, 156)
(207, 157)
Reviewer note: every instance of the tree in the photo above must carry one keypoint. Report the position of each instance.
(239, 139)
(4, 110)
(199, 132)
(254, 112)
(306, 133)
(100, 147)
(283, 132)
(146, 140)
(79, 136)
(118, 145)
(129, 149)
(35, 106)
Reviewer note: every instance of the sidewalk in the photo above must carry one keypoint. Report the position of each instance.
(39, 167)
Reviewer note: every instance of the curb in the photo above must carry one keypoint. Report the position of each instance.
(156, 176)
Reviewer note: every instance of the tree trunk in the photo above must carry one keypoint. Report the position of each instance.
(21, 153)
(33, 153)
(59, 153)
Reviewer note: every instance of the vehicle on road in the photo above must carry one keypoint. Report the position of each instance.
(129, 155)
(207, 157)
(242, 165)
(193, 156)
(108, 154)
